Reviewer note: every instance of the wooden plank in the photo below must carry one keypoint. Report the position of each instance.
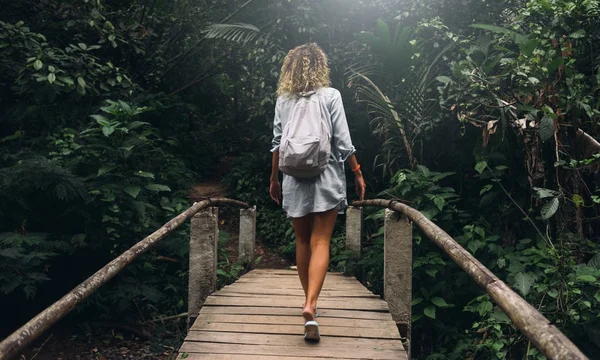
(294, 277)
(287, 301)
(286, 272)
(320, 350)
(254, 310)
(326, 287)
(205, 356)
(296, 283)
(291, 292)
(298, 286)
(267, 277)
(287, 340)
(300, 295)
(295, 320)
(375, 333)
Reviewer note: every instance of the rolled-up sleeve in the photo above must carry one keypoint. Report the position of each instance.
(342, 143)
(276, 128)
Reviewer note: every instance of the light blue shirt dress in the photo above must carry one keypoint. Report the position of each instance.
(328, 190)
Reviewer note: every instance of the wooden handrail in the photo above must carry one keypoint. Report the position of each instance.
(545, 336)
(14, 343)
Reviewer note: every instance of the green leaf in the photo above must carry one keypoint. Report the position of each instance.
(38, 64)
(515, 36)
(542, 193)
(185, 355)
(499, 315)
(157, 187)
(105, 170)
(444, 79)
(439, 302)
(101, 120)
(429, 312)
(439, 202)
(108, 130)
(578, 200)
(51, 68)
(416, 301)
(555, 64)
(82, 46)
(66, 80)
(475, 245)
(529, 46)
(579, 34)
(481, 166)
(431, 272)
(547, 128)
(81, 81)
(553, 293)
(586, 278)
(524, 282)
(595, 261)
(486, 188)
(51, 78)
(132, 190)
(550, 208)
(424, 170)
(145, 174)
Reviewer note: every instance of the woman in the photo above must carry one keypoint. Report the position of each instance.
(313, 204)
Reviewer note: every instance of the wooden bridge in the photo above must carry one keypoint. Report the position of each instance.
(259, 317)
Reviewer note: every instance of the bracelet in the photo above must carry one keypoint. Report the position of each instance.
(357, 168)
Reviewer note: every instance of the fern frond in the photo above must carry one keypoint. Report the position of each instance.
(240, 32)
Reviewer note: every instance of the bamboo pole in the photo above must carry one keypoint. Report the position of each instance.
(14, 343)
(545, 336)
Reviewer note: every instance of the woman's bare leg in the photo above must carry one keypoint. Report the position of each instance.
(302, 230)
(320, 239)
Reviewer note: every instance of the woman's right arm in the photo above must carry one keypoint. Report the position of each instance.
(359, 181)
(342, 143)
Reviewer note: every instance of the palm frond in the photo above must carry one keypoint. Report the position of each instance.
(388, 122)
(414, 104)
(239, 32)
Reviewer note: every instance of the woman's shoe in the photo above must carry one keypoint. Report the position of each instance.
(311, 331)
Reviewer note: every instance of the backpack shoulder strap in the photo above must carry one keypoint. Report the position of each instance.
(307, 94)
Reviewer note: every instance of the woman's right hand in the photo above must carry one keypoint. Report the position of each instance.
(275, 191)
(361, 186)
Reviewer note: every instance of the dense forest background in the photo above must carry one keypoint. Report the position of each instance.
(481, 114)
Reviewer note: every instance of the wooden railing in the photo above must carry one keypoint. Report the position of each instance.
(398, 276)
(200, 249)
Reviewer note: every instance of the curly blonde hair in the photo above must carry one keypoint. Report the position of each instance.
(305, 68)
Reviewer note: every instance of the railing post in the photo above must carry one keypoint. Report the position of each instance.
(204, 236)
(397, 270)
(354, 229)
(247, 236)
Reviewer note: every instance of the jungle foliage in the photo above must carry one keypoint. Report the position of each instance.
(481, 114)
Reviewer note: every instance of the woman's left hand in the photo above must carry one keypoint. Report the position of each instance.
(275, 191)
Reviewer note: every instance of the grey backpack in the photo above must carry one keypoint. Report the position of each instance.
(306, 139)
